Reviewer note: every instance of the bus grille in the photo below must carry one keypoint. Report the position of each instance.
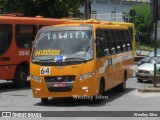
(60, 83)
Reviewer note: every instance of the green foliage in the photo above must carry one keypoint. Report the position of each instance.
(46, 8)
(146, 47)
(143, 22)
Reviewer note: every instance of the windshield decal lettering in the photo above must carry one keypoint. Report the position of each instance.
(61, 36)
(71, 35)
(47, 52)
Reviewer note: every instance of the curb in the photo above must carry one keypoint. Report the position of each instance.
(149, 89)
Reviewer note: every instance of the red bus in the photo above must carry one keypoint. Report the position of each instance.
(16, 36)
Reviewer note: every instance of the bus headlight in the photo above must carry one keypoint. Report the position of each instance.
(87, 75)
(37, 78)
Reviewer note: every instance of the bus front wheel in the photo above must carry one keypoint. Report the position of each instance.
(98, 98)
(44, 100)
(20, 77)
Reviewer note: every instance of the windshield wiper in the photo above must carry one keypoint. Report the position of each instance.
(81, 59)
(46, 59)
(53, 60)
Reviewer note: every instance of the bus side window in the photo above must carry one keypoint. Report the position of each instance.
(25, 34)
(117, 41)
(123, 42)
(6, 31)
(111, 42)
(105, 45)
(128, 40)
(131, 33)
(100, 47)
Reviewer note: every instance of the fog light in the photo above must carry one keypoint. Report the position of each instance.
(87, 90)
(84, 88)
(37, 90)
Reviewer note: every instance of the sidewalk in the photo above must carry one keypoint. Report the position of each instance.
(149, 88)
(145, 52)
(146, 88)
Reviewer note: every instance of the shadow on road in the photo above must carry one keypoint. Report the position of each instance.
(8, 86)
(70, 102)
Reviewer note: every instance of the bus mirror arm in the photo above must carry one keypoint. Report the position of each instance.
(113, 50)
(33, 43)
(98, 40)
(106, 51)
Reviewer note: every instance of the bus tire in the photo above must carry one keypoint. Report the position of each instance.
(20, 79)
(122, 87)
(98, 98)
(44, 100)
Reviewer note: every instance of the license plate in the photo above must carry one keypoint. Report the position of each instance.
(59, 85)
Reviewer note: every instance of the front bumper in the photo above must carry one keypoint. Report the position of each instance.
(144, 76)
(87, 87)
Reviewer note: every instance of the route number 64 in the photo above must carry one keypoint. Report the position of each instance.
(45, 70)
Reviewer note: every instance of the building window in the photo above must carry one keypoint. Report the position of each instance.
(115, 3)
(102, 2)
(127, 3)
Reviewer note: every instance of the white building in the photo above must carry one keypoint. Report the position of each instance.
(113, 10)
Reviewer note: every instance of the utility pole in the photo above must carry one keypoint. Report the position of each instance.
(154, 9)
(86, 9)
(132, 14)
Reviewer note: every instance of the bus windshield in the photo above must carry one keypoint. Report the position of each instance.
(65, 45)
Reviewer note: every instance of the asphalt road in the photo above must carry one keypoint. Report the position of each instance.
(131, 100)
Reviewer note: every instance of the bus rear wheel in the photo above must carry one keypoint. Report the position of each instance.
(20, 79)
(122, 86)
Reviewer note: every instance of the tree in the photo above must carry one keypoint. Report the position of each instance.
(143, 22)
(46, 8)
